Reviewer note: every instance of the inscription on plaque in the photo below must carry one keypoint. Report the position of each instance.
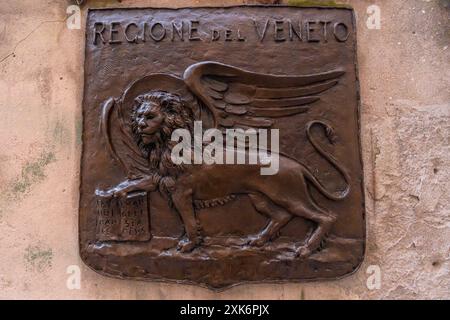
(123, 219)
(221, 145)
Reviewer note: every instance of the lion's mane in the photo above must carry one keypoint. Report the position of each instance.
(177, 116)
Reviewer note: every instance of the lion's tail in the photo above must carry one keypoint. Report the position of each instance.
(339, 195)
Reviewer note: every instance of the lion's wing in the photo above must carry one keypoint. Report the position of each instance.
(242, 99)
(117, 130)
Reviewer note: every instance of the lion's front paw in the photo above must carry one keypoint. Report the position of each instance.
(116, 192)
(119, 193)
(112, 193)
(257, 241)
(187, 245)
(303, 252)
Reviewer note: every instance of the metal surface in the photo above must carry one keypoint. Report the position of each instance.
(149, 72)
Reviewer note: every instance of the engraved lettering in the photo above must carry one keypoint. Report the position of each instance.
(215, 35)
(143, 35)
(193, 30)
(113, 32)
(122, 218)
(310, 30)
(99, 33)
(279, 31)
(325, 26)
(262, 34)
(341, 32)
(228, 35)
(178, 30)
(239, 36)
(293, 32)
(157, 35)
(128, 26)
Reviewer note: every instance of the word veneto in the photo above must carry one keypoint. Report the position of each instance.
(192, 30)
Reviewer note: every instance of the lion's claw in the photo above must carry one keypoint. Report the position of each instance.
(120, 193)
(257, 241)
(187, 245)
(303, 252)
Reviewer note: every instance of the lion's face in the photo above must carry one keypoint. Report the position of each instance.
(149, 119)
(155, 115)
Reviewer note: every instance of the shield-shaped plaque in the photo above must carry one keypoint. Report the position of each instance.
(221, 145)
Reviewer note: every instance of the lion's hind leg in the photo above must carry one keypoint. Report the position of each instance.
(321, 217)
(278, 219)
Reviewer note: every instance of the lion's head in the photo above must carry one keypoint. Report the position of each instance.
(155, 115)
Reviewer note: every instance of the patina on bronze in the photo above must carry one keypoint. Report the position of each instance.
(151, 71)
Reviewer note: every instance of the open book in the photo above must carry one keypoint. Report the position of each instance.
(123, 219)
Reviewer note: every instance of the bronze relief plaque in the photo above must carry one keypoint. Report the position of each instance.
(221, 145)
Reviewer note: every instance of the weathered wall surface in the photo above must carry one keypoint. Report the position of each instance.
(405, 76)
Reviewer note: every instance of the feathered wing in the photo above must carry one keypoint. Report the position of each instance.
(116, 128)
(236, 98)
(232, 98)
